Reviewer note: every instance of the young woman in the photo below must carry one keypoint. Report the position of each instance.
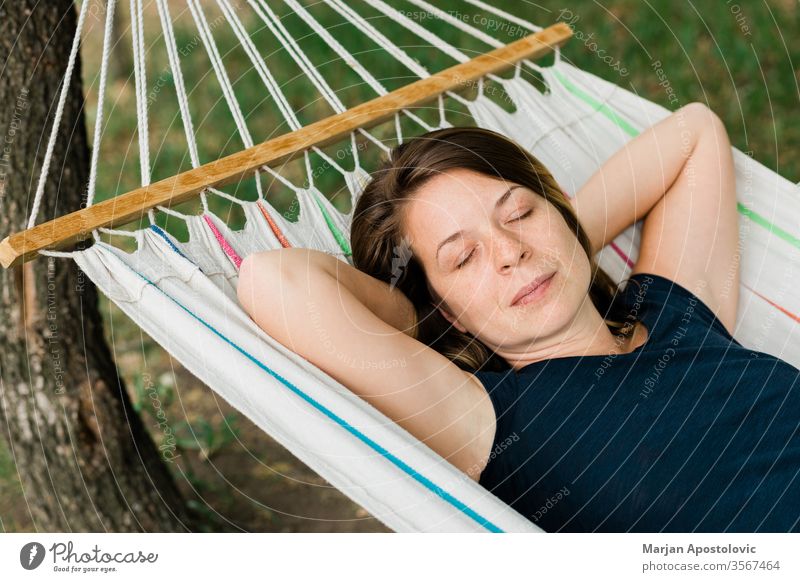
(477, 318)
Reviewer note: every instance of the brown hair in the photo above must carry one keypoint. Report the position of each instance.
(377, 236)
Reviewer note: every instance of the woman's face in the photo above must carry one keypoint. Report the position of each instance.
(480, 241)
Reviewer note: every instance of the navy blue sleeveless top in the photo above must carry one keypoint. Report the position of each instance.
(690, 432)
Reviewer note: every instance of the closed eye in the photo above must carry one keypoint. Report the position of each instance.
(465, 261)
(521, 216)
(469, 256)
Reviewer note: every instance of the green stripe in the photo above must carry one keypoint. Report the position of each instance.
(628, 128)
(760, 220)
(602, 107)
(340, 238)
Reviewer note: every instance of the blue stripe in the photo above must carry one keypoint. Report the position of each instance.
(343, 423)
(164, 235)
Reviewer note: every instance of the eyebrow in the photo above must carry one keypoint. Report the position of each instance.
(498, 204)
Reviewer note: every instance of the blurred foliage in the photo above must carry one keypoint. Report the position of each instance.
(156, 398)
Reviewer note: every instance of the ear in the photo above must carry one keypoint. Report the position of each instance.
(451, 318)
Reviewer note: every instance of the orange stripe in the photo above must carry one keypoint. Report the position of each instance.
(775, 305)
(275, 230)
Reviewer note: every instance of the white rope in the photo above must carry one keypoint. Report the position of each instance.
(345, 55)
(140, 77)
(457, 22)
(62, 99)
(221, 73)
(425, 34)
(183, 101)
(225, 195)
(48, 253)
(177, 76)
(399, 54)
(354, 147)
(461, 24)
(433, 39)
(516, 20)
(101, 92)
(181, 215)
(442, 115)
(225, 83)
(128, 233)
(280, 178)
(379, 38)
(266, 77)
(276, 27)
(258, 63)
(301, 59)
(503, 14)
(397, 128)
(348, 58)
(98, 124)
(439, 42)
(374, 140)
(388, 46)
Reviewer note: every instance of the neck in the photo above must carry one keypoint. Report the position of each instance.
(586, 335)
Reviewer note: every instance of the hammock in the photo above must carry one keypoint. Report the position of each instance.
(183, 294)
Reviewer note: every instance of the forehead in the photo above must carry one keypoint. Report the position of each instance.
(445, 201)
(460, 184)
(449, 202)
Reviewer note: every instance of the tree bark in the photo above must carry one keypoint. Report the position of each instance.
(84, 459)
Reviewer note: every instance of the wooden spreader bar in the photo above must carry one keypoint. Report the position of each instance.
(71, 228)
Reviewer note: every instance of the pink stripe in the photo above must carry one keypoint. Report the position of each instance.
(622, 255)
(237, 260)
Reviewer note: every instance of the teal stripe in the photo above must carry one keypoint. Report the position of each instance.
(627, 127)
(340, 421)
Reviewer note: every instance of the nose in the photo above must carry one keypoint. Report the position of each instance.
(509, 251)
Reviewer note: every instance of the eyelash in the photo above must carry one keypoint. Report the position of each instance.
(469, 256)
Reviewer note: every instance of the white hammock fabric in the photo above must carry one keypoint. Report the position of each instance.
(184, 294)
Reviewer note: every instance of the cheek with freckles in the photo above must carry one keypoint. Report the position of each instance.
(468, 297)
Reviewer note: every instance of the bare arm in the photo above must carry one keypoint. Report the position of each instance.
(385, 301)
(627, 186)
(679, 177)
(691, 235)
(347, 323)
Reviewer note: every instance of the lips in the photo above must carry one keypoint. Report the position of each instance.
(530, 287)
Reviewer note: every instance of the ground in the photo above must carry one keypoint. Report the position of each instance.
(235, 476)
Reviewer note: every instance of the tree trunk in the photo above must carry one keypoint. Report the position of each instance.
(84, 459)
